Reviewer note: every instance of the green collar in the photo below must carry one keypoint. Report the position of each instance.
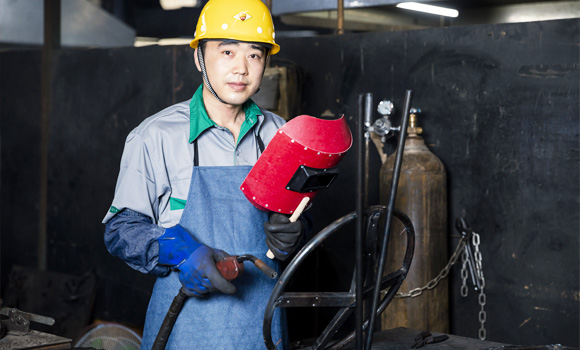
(200, 121)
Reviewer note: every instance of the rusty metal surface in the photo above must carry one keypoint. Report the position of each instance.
(13, 313)
(422, 194)
(34, 340)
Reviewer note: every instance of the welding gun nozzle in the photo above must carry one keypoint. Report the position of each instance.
(267, 270)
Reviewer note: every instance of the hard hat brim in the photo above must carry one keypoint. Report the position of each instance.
(273, 47)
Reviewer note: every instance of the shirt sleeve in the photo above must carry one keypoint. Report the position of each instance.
(132, 237)
(132, 229)
(138, 186)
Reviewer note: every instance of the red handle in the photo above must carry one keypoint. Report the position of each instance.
(230, 268)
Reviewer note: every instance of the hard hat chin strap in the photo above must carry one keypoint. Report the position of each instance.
(204, 73)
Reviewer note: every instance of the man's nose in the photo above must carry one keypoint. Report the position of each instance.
(240, 65)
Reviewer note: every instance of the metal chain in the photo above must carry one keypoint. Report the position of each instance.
(464, 274)
(482, 297)
(413, 293)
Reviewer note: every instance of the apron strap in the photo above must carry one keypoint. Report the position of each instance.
(196, 151)
(260, 143)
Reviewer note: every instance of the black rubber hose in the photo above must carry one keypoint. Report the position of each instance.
(169, 320)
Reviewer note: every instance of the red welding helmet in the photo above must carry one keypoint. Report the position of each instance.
(301, 159)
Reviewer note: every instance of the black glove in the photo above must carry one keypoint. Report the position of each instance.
(199, 274)
(282, 236)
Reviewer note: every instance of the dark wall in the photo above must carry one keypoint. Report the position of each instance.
(20, 153)
(500, 109)
(102, 95)
(99, 97)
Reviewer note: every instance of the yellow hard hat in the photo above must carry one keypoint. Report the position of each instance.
(243, 20)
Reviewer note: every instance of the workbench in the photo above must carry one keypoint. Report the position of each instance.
(34, 340)
(404, 338)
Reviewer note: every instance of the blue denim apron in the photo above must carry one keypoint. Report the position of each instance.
(218, 215)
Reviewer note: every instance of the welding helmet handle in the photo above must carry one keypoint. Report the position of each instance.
(293, 218)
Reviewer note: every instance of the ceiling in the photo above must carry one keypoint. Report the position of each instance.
(147, 22)
(308, 18)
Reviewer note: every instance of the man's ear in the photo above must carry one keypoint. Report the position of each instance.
(196, 59)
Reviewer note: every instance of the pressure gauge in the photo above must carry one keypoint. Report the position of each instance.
(385, 107)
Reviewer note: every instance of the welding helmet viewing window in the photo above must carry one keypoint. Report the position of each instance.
(241, 20)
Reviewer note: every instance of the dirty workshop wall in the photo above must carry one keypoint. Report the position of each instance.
(500, 109)
(100, 95)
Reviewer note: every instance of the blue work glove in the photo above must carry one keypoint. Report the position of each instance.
(175, 246)
(282, 236)
(196, 262)
(199, 274)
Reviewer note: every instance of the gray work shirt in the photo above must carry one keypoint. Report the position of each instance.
(157, 161)
(156, 169)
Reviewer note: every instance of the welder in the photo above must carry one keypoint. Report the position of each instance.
(178, 209)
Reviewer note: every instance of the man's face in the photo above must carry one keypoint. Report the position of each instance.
(234, 69)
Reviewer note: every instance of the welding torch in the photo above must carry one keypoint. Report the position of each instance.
(230, 268)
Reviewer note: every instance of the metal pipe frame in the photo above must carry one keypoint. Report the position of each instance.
(52, 41)
(392, 280)
(357, 292)
(390, 207)
(359, 224)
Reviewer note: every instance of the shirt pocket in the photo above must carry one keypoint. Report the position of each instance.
(177, 200)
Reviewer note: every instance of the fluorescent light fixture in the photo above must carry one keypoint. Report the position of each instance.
(144, 41)
(177, 4)
(436, 10)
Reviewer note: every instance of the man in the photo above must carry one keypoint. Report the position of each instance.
(178, 208)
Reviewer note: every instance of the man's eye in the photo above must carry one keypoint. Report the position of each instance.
(227, 52)
(256, 56)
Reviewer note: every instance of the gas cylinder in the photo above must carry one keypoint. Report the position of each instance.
(422, 195)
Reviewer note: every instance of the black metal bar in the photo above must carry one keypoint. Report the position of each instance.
(388, 281)
(337, 321)
(392, 280)
(390, 207)
(284, 278)
(51, 42)
(401, 273)
(333, 326)
(368, 122)
(313, 299)
(359, 225)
